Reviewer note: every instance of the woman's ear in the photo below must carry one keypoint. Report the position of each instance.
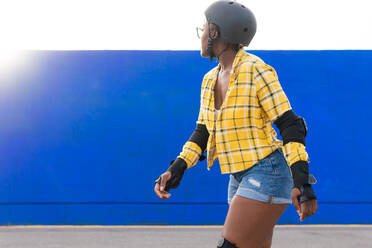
(214, 34)
(213, 31)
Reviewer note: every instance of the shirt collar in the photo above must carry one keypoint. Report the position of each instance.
(238, 57)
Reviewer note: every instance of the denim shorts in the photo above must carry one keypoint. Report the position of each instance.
(269, 180)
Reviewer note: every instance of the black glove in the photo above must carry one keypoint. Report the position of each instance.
(303, 180)
(177, 168)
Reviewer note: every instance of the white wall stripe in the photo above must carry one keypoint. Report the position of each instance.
(170, 25)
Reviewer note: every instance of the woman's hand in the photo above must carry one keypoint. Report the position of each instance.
(159, 189)
(307, 208)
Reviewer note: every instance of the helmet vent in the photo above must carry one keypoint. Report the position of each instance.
(231, 2)
(245, 29)
(243, 6)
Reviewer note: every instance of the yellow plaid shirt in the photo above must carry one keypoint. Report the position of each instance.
(242, 133)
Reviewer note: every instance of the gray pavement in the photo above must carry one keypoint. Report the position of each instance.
(180, 237)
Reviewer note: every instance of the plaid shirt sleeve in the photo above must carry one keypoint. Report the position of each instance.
(274, 102)
(200, 119)
(191, 152)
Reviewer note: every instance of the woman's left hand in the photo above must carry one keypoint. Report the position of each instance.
(307, 208)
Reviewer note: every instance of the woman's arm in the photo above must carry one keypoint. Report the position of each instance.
(292, 128)
(275, 104)
(193, 149)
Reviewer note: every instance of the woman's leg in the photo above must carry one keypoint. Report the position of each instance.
(269, 240)
(249, 222)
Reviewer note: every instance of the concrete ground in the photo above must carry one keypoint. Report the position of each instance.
(288, 236)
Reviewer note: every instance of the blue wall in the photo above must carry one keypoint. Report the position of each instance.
(84, 134)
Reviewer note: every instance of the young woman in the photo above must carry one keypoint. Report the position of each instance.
(240, 99)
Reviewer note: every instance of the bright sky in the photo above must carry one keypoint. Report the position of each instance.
(170, 24)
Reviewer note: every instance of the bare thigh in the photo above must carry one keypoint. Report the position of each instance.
(249, 223)
(269, 240)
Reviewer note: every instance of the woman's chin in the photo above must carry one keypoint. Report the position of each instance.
(203, 54)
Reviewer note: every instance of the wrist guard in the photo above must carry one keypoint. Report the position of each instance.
(307, 193)
(303, 180)
(177, 168)
(300, 173)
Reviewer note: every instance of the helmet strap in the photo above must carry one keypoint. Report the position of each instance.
(210, 48)
(218, 56)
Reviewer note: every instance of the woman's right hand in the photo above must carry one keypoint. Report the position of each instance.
(160, 188)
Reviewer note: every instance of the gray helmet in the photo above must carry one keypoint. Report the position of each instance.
(237, 24)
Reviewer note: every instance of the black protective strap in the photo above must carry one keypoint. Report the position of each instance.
(292, 127)
(177, 168)
(300, 173)
(303, 180)
(225, 243)
(285, 119)
(307, 193)
(200, 137)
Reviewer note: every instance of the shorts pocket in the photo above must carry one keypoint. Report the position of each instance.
(280, 166)
(266, 168)
(275, 162)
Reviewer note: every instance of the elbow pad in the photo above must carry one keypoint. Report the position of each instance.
(292, 128)
(200, 136)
